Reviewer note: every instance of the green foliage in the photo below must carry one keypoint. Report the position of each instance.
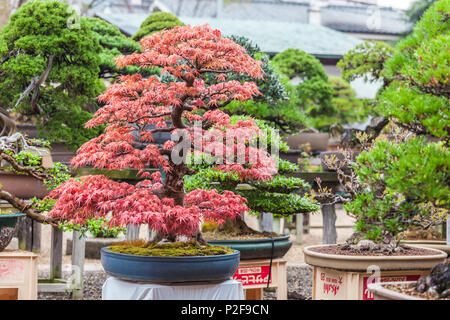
(313, 94)
(365, 61)
(418, 96)
(156, 22)
(35, 33)
(280, 195)
(98, 228)
(404, 182)
(349, 107)
(114, 43)
(274, 105)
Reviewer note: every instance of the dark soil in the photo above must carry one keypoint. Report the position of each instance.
(407, 251)
(410, 289)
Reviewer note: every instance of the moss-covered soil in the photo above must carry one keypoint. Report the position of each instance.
(173, 249)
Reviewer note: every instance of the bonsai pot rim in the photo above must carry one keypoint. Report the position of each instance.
(361, 263)
(258, 248)
(169, 259)
(433, 244)
(380, 291)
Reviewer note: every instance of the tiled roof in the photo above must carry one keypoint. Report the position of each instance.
(271, 36)
(358, 19)
(354, 18)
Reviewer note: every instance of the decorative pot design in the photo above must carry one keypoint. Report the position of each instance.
(258, 248)
(8, 224)
(169, 269)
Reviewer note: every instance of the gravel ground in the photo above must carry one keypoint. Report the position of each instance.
(299, 285)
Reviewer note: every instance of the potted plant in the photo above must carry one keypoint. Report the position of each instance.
(187, 55)
(23, 167)
(435, 286)
(401, 179)
(282, 196)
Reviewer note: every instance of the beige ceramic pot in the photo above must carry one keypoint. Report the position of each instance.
(341, 277)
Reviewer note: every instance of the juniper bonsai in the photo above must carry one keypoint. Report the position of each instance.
(49, 71)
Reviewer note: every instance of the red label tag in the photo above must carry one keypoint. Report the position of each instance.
(367, 295)
(250, 276)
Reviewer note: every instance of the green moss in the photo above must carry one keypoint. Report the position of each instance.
(173, 249)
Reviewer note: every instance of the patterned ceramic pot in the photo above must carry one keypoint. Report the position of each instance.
(8, 224)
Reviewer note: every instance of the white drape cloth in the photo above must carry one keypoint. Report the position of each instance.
(115, 289)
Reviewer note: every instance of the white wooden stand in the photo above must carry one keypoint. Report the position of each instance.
(18, 275)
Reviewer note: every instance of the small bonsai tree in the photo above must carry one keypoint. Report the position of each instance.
(403, 181)
(310, 89)
(276, 104)
(49, 71)
(189, 55)
(23, 156)
(114, 43)
(156, 22)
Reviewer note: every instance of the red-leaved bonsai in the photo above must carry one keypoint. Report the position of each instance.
(173, 103)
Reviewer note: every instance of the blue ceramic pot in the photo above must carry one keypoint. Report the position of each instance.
(7, 227)
(258, 248)
(169, 269)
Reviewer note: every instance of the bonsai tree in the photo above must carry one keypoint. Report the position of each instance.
(403, 181)
(114, 43)
(21, 155)
(276, 104)
(189, 55)
(311, 91)
(156, 22)
(49, 71)
(282, 195)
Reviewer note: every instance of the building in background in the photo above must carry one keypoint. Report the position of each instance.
(326, 29)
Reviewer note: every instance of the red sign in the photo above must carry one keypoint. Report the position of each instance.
(331, 285)
(254, 275)
(367, 295)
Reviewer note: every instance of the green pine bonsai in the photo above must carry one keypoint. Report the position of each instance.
(311, 91)
(156, 22)
(276, 104)
(49, 70)
(402, 179)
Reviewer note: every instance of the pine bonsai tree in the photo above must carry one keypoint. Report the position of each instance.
(189, 55)
(49, 70)
(403, 181)
(276, 104)
(156, 22)
(114, 43)
(313, 93)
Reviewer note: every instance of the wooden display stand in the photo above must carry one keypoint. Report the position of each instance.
(18, 275)
(254, 275)
(330, 284)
